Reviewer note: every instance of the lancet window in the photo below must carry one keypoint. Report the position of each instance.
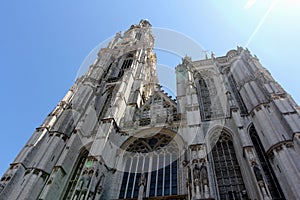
(228, 175)
(138, 36)
(75, 174)
(145, 116)
(107, 103)
(126, 64)
(270, 177)
(237, 95)
(210, 104)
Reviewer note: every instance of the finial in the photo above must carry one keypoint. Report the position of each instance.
(144, 23)
(212, 54)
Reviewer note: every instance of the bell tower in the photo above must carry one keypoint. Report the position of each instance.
(71, 154)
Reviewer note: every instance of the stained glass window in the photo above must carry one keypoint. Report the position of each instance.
(156, 158)
(227, 171)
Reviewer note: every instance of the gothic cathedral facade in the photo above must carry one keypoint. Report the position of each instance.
(232, 132)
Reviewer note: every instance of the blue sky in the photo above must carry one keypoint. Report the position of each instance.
(43, 44)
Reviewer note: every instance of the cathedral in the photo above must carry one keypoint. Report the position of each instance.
(231, 133)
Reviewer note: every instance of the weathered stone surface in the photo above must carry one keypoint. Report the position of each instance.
(116, 127)
(66, 122)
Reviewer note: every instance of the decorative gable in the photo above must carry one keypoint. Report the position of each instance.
(159, 108)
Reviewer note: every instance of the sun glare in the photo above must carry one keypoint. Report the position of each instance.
(249, 4)
(289, 2)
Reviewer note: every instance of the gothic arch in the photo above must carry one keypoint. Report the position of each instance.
(270, 177)
(149, 132)
(208, 98)
(75, 174)
(226, 169)
(214, 132)
(204, 74)
(151, 156)
(126, 63)
(231, 54)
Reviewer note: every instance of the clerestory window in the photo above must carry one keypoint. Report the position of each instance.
(209, 101)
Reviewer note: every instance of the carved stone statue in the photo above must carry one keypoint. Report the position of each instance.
(186, 61)
(203, 174)
(257, 172)
(212, 55)
(230, 98)
(170, 116)
(136, 123)
(196, 172)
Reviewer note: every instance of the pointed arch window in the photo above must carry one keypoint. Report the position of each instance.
(237, 95)
(105, 75)
(228, 175)
(205, 100)
(138, 35)
(145, 116)
(208, 99)
(271, 179)
(75, 174)
(107, 103)
(126, 64)
(156, 158)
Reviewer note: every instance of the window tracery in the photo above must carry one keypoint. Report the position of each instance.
(209, 101)
(107, 103)
(228, 175)
(138, 35)
(145, 116)
(75, 175)
(271, 179)
(156, 158)
(126, 64)
(158, 109)
(237, 95)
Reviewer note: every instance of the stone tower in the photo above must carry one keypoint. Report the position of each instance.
(231, 133)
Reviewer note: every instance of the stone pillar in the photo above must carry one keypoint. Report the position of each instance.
(188, 189)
